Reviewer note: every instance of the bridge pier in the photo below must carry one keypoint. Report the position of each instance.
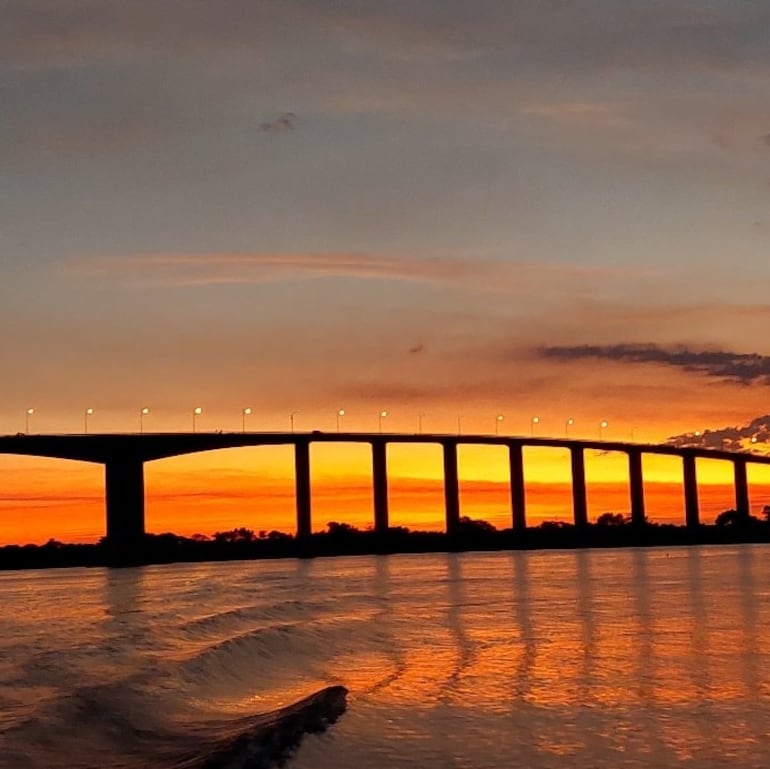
(380, 485)
(636, 483)
(302, 488)
(691, 506)
(518, 501)
(579, 499)
(742, 506)
(124, 496)
(451, 488)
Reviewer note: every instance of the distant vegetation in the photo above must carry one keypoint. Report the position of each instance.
(610, 530)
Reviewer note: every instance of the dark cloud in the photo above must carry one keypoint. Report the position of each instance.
(416, 349)
(284, 122)
(743, 368)
(753, 436)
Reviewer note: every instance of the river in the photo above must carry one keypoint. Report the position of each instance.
(582, 659)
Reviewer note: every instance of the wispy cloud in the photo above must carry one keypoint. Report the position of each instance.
(754, 436)
(284, 122)
(743, 368)
(210, 269)
(471, 272)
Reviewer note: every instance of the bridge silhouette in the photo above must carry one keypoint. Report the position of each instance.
(124, 456)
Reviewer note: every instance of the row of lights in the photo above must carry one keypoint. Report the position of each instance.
(248, 411)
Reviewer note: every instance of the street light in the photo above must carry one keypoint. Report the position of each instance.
(419, 422)
(245, 413)
(27, 414)
(197, 411)
(381, 416)
(291, 419)
(142, 414)
(602, 426)
(87, 413)
(535, 421)
(567, 426)
(340, 413)
(459, 425)
(499, 418)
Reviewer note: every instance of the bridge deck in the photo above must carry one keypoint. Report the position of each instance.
(145, 447)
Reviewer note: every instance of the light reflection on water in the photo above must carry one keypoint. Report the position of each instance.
(618, 658)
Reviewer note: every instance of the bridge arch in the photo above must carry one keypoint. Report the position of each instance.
(219, 489)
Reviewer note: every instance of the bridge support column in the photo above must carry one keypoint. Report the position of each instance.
(451, 488)
(691, 506)
(636, 483)
(518, 501)
(124, 493)
(302, 488)
(579, 499)
(742, 506)
(380, 486)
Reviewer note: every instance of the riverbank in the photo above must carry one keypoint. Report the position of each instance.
(343, 539)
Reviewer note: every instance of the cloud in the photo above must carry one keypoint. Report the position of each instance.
(765, 139)
(755, 436)
(211, 269)
(287, 121)
(742, 368)
(416, 349)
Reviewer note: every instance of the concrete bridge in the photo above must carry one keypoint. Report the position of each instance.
(124, 455)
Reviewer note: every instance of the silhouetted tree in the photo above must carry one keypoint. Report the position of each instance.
(612, 519)
(734, 518)
(766, 513)
(336, 529)
(475, 526)
(551, 525)
(234, 535)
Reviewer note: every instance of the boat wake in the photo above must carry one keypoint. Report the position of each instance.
(265, 741)
(111, 728)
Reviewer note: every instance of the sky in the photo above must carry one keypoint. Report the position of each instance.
(447, 208)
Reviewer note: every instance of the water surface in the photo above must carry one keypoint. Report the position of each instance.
(617, 658)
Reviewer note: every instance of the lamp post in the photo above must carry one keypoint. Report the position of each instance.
(340, 414)
(27, 414)
(535, 421)
(380, 417)
(143, 412)
(459, 425)
(567, 426)
(87, 413)
(196, 412)
(419, 423)
(499, 418)
(291, 419)
(602, 426)
(245, 413)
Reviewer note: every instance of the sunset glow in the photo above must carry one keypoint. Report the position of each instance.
(344, 217)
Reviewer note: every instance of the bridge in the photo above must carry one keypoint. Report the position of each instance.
(124, 456)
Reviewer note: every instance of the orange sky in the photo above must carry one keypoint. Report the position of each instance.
(396, 206)
(253, 487)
